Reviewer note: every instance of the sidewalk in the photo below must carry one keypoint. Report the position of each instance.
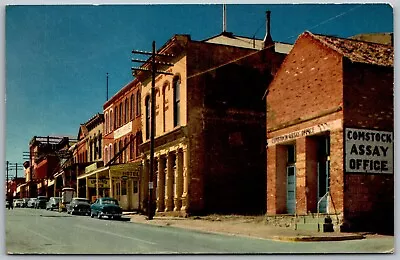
(251, 226)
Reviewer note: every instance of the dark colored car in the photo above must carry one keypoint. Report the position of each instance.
(108, 207)
(53, 203)
(41, 202)
(25, 202)
(79, 206)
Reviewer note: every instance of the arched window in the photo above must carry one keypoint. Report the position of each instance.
(111, 126)
(163, 104)
(125, 151)
(120, 114)
(116, 118)
(105, 155)
(176, 107)
(138, 103)
(119, 149)
(106, 123)
(110, 152)
(147, 116)
(126, 111)
(131, 147)
(132, 112)
(100, 147)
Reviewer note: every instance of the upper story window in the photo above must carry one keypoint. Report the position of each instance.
(105, 154)
(115, 118)
(177, 102)
(147, 116)
(138, 103)
(126, 111)
(164, 104)
(106, 123)
(132, 112)
(120, 115)
(110, 125)
(99, 146)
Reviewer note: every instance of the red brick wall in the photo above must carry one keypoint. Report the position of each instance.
(368, 104)
(308, 82)
(233, 173)
(368, 101)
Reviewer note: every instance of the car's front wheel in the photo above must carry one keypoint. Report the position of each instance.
(91, 214)
(99, 215)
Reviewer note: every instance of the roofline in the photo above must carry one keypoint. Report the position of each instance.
(120, 92)
(347, 39)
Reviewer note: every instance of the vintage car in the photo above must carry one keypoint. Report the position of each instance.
(53, 203)
(78, 206)
(25, 202)
(31, 202)
(106, 207)
(18, 203)
(41, 202)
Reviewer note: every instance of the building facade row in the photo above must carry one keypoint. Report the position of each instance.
(246, 126)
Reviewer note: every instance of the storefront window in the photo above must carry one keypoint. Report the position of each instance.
(123, 187)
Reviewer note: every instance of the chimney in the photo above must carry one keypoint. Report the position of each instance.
(268, 39)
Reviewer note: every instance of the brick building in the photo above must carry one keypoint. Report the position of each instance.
(88, 157)
(46, 154)
(209, 141)
(122, 138)
(330, 131)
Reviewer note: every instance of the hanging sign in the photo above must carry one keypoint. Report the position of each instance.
(368, 151)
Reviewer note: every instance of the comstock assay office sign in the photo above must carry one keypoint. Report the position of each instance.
(368, 151)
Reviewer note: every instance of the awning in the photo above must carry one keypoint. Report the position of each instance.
(50, 183)
(98, 170)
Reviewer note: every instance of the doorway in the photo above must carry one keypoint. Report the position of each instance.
(291, 180)
(323, 172)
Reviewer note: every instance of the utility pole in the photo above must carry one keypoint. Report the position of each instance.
(153, 71)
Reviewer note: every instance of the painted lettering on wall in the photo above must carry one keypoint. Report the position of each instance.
(368, 151)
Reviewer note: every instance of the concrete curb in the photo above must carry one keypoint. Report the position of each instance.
(317, 238)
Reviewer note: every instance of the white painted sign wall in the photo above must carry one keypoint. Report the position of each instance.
(368, 151)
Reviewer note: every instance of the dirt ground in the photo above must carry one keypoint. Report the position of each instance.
(252, 226)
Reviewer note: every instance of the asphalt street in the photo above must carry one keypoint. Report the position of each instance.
(31, 231)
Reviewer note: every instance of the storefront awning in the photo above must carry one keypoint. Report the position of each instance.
(50, 183)
(98, 170)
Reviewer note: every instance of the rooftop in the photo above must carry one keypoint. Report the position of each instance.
(245, 42)
(359, 51)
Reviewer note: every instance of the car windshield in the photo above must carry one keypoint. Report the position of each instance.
(110, 202)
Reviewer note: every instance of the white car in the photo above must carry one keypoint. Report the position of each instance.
(31, 202)
(18, 203)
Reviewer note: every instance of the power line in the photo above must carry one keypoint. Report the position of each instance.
(257, 51)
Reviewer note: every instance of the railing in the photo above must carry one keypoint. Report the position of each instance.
(333, 204)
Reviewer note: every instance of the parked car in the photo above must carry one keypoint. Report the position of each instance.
(41, 202)
(18, 203)
(108, 207)
(78, 206)
(25, 202)
(53, 203)
(32, 202)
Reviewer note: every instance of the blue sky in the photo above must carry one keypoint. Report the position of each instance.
(57, 57)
